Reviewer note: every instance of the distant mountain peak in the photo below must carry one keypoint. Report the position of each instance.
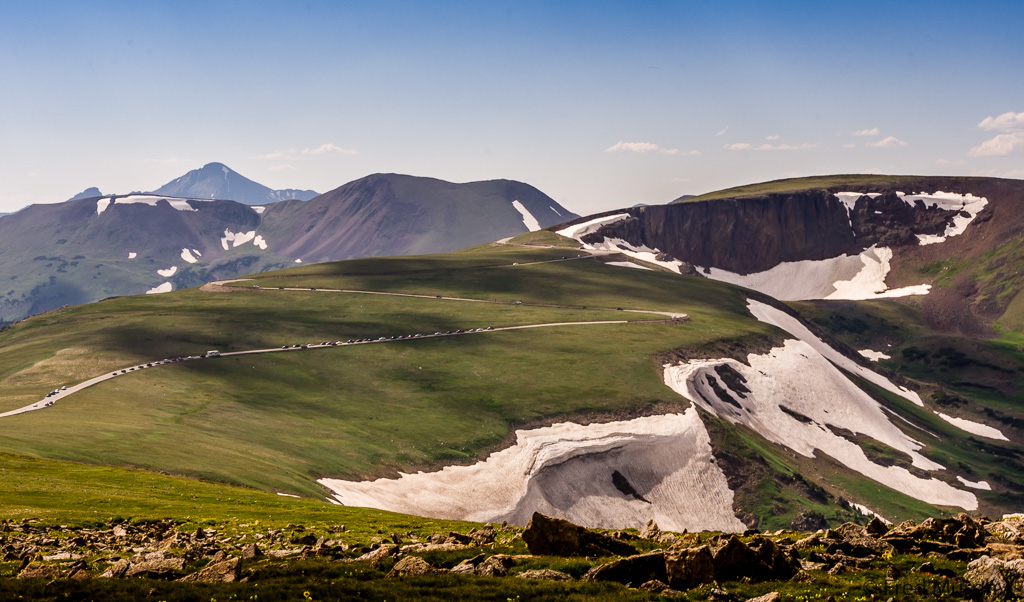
(218, 181)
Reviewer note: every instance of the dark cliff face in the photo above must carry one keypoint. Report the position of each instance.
(753, 234)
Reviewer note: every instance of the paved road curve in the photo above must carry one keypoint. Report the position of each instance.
(50, 400)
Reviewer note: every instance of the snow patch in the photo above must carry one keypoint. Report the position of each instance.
(101, 206)
(168, 272)
(950, 201)
(849, 277)
(286, 494)
(578, 231)
(779, 395)
(627, 264)
(236, 238)
(874, 355)
(975, 485)
(132, 255)
(643, 253)
(529, 221)
(298, 261)
(869, 512)
(187, 255)
(260, 242)
(974, 428)
(258, 210)
(566, 470)
(552, 207)
(133, 199)
(780, 319)
(163, 288)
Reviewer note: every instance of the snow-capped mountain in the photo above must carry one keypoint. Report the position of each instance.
(218, 181)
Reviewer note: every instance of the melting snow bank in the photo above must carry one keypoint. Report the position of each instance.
(132, 255)
(168, 272)
(643, 253)
(950, 201)
(579, 230)
(850, 277)
(794, 396)
(163, 288)
(974, 428)
(190, 255)
(979, 485)
(238, 238)
(144, 199)
(874, 355)
(529, 221)
(610, 475)
(869, 512)
(780, 319)
(627, 264)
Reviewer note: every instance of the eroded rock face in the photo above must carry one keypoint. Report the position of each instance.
(753, 234)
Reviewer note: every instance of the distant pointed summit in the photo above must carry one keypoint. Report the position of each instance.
(218, 181)
(88, 193)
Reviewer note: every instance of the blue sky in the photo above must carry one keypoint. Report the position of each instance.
(599, 104)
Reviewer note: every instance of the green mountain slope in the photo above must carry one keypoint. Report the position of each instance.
(279, 421)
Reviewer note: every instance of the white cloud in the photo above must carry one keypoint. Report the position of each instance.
(888, 142)
(1007, 122)
(292, 154)
(167, 160)
(850, 145)
(985, 172)
(1015, 173)
(773, 137)
(277, 155)
(1003, 144)
(722, 131)
(325, 149)
(283, 167)
(867, 132)
(642, 147)
(740, 146)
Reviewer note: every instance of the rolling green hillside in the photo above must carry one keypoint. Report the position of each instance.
(278, 421)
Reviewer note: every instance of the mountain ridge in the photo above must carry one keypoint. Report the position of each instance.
(116, 244)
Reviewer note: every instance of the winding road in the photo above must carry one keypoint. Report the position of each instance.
(51, 399)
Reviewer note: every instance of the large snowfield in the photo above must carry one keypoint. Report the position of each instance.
(568, 470)
(795, 396)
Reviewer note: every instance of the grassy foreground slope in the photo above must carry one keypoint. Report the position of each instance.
(278, 421)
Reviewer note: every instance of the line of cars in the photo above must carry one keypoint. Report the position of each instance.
(215, 353)
(398, 337)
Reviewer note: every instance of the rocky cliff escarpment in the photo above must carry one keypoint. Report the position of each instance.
(754, 234)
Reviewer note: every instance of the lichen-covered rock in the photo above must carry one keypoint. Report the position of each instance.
(545, 574)
(116, 570)
(411, 566)
(40, 571)
(689, 567)
(633, 570)
(161, 568)
(226, 571)
(547, 536)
